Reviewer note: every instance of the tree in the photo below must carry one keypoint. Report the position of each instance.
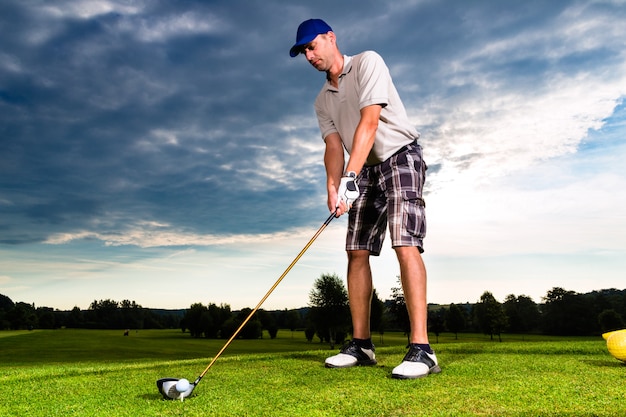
(436, 322)
(45, 318)
(309, 333)
(132, 315)
(569, 313)
(269, 321)
(75, 318)
(330, 313)
(292, 320)
(377, 316)
(610, 320)
(23, 317)
(398, 311)
(207, 321)
(193, 319)
(522, 312)
(455, 320)
(105, 314)
(6, 305)
(490, 315)
(253, 328)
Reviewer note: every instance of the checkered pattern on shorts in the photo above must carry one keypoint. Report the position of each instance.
(390, 193)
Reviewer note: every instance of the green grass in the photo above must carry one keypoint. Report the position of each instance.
(102, 373)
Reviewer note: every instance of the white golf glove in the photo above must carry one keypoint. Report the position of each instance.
(348, 190)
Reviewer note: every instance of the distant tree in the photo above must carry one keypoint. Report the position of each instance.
(608, 299)
(522, 312)
(569, 313)
(206, 321)
(330, 314)
(253, 329)
(6, 305)
(153, 320)
(490, 315)
(398, 311)
(610, 320)
(220, 313)
(309, 333)
(269, 321)
(105, 314)
(208, 328)
(214, 318)
(23, 316)
(45, 317)
(193, 320)
(228, 328)
(377, 316)
(455, 320)
(75, 319)
(292, 320)
(436, 322)
(132, 315)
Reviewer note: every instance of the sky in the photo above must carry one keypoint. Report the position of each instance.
(168, 152)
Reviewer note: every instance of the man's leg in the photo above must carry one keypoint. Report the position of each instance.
(420, 360)
(413, 277)
(360, 292)
(360, 350)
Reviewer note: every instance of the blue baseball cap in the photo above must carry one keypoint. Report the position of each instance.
(307, 31)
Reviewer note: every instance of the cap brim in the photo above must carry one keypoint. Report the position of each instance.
(296, 49)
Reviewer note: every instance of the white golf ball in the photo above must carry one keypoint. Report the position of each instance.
(182, 385)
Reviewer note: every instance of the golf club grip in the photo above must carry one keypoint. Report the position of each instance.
(268, 293)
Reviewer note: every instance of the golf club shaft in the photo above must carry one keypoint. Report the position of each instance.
(234, 336)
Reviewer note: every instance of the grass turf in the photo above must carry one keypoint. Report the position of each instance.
(102, 373)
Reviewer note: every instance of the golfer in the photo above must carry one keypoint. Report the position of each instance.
(359, 110)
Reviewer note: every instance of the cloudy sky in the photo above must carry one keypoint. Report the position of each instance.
(168, 152)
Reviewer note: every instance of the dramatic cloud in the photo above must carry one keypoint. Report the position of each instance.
(133, 134)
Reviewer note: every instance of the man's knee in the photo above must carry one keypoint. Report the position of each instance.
(358, 256)
(407, 252)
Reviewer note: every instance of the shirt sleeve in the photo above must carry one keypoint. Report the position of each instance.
(373, 78)
(325, 121)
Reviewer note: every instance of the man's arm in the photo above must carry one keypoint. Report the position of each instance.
(334, 162)
(364, 137)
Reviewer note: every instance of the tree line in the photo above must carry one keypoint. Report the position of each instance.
(562, 313)
(101, 314)
(327, 316)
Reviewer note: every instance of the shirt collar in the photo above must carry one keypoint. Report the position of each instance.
(347, 67)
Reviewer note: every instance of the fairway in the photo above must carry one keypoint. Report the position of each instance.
(103, 373)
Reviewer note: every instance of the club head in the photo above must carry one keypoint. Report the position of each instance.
(167, 388)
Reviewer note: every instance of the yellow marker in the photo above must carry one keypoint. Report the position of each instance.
(616, 344)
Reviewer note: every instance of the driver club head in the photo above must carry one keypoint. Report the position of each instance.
(167, 388)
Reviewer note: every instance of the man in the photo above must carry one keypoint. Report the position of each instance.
(359, 110)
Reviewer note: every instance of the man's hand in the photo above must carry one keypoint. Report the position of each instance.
(348, 190)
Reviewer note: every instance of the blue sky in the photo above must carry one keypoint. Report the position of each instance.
(168, 152)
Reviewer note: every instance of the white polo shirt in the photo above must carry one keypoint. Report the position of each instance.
(365, 80)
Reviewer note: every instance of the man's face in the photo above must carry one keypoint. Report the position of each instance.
(319, 52)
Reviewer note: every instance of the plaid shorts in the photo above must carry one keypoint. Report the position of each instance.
(390, 192)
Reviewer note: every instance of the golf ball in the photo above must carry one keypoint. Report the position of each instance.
(182, 385)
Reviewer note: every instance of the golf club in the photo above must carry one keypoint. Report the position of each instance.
(179, 389)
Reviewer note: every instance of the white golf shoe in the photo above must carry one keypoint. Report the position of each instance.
(352, 355)
(416, 364)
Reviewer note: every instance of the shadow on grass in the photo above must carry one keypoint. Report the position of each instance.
(604, 363)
